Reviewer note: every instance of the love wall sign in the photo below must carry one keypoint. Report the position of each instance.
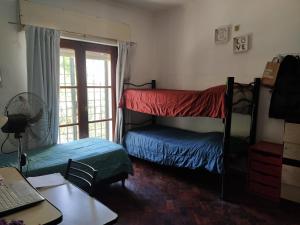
(241, 44)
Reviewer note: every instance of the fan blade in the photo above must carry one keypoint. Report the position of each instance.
(36, 118)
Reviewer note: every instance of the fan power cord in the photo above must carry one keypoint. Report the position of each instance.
(7, 136)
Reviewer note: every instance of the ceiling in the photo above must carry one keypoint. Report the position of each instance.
(151, 5)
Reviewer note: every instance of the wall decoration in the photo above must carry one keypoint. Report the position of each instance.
(236, 28)
(241, 44)
(222, 34)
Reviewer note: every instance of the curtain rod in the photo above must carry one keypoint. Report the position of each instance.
(76, 33)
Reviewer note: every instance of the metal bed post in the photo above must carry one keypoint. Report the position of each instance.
(123, 112)
(153, 86)
(254, 111)
(153, 118)
(124, 122)
(227, 134)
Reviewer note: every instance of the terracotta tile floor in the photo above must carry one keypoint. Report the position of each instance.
(158, 195)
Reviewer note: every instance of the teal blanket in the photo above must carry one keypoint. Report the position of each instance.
(108, 158)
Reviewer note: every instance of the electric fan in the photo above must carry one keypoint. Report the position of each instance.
(28, 119)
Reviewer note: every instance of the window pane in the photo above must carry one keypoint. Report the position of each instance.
(98, 71)
(67, 67)
(67, 134)
(68, 110)
(101, 130)
(99, 104)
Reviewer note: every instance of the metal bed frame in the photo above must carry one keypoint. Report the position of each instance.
(249, 107)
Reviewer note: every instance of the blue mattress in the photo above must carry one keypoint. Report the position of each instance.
(108, 158)
(176, 147)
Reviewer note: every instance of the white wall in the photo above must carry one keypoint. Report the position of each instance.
(140, 22)
(12, 54)
(13, 46)
(12, 57)
(188, 58)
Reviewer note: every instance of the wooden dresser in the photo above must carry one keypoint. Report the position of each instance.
(264, 170)
(290, 181)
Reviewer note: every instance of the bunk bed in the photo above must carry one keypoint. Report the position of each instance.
(181, 148)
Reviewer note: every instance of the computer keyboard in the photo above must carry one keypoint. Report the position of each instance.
(16, 196)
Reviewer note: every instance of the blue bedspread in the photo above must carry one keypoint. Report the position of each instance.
(176, 147)
(108, 158)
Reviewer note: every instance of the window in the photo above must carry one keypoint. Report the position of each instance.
(68, 104)
(87, 102)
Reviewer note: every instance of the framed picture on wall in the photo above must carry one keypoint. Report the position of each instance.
(241, 44)
(222, 34)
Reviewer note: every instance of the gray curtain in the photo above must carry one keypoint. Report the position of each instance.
(122, 68)
(43, 46)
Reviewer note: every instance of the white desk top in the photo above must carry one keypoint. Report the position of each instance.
(78, 207)
(42, 213)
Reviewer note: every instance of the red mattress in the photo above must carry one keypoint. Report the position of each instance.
(172, 103)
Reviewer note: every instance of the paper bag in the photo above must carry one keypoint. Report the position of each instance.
(270, 73)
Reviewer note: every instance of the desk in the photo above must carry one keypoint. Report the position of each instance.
(77, 207)
(42, 213)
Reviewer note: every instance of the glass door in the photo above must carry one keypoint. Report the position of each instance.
(87, 90)
(99, 94)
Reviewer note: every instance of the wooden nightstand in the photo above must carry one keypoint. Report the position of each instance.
(290, 179)
(264, 170)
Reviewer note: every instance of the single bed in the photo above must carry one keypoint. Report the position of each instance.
(175, 147)
(110, 159)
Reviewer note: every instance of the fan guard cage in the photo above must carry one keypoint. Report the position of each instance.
(29, 104)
